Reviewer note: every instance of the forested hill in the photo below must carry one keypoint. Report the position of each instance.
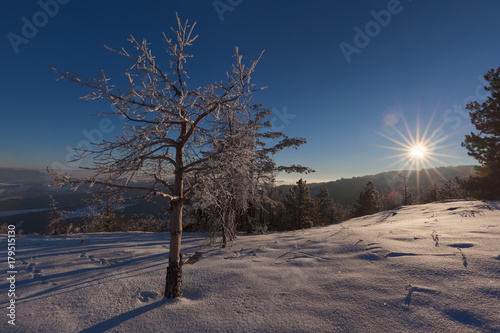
(345, 191)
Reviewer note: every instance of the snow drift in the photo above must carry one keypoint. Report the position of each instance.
(433, 267)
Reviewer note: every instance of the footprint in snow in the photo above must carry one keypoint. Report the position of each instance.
(146, 296)
(93, 258)
(105, 262)
(39, 274)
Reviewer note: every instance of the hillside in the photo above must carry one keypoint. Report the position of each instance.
(425, 268)
(24, 194)
(346, 191)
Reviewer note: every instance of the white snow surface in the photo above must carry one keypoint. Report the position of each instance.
(386, 272)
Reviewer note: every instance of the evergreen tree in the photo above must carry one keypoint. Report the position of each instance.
(324, 207)
(277, 211)
(299, 206)
(370, 201)
(451, 190)
(408, 194)
(463, 185)
(327, 210)
(432, 193)
(485, 146)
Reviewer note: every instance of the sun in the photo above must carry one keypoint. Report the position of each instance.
(418, 152)
(417, 149)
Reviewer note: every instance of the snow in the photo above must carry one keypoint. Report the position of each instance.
(425, 268)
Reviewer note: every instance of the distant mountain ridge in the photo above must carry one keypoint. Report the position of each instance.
(28, 183)
(29, 190)
(14, 176)
(346, 191)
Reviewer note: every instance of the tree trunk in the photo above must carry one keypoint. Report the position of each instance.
(224, 237)
(173, 285)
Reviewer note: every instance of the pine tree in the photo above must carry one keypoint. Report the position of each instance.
(462, 183)
(277, 211)
(327, 210)
(433, 193)
(370, 201)
(485, 146)
(408, 193)
(324, 207)
(299, 206)
(451, 190)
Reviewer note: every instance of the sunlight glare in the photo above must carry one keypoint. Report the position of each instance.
(418, 151)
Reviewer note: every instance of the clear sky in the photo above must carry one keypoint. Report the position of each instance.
(342, 74)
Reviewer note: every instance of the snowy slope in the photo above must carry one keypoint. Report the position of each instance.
(427, 268)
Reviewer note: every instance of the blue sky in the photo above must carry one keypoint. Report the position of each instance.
(426, 58)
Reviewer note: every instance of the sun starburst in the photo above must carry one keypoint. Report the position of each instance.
(417, 150)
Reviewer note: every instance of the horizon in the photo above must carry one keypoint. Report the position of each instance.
(289, 181)
(357, 81)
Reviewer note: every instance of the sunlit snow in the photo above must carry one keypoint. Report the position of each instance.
(425, 268)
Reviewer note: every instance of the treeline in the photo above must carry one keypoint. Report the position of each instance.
(276, 208)
(269, 207)
(346, 190)
(297, 208)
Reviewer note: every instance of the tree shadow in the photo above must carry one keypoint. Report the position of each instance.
(115, 321)
(492, 205)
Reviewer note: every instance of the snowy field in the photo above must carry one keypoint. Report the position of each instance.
(426, 268)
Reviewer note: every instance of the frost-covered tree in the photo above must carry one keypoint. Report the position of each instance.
(370, 201)
(56, 218)
(408, 193)
(432, 194)
(104, 208)
(276, 209)
(451, 190)
(238, 188)
(230, 185)
(485, 145)
(172, 134)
